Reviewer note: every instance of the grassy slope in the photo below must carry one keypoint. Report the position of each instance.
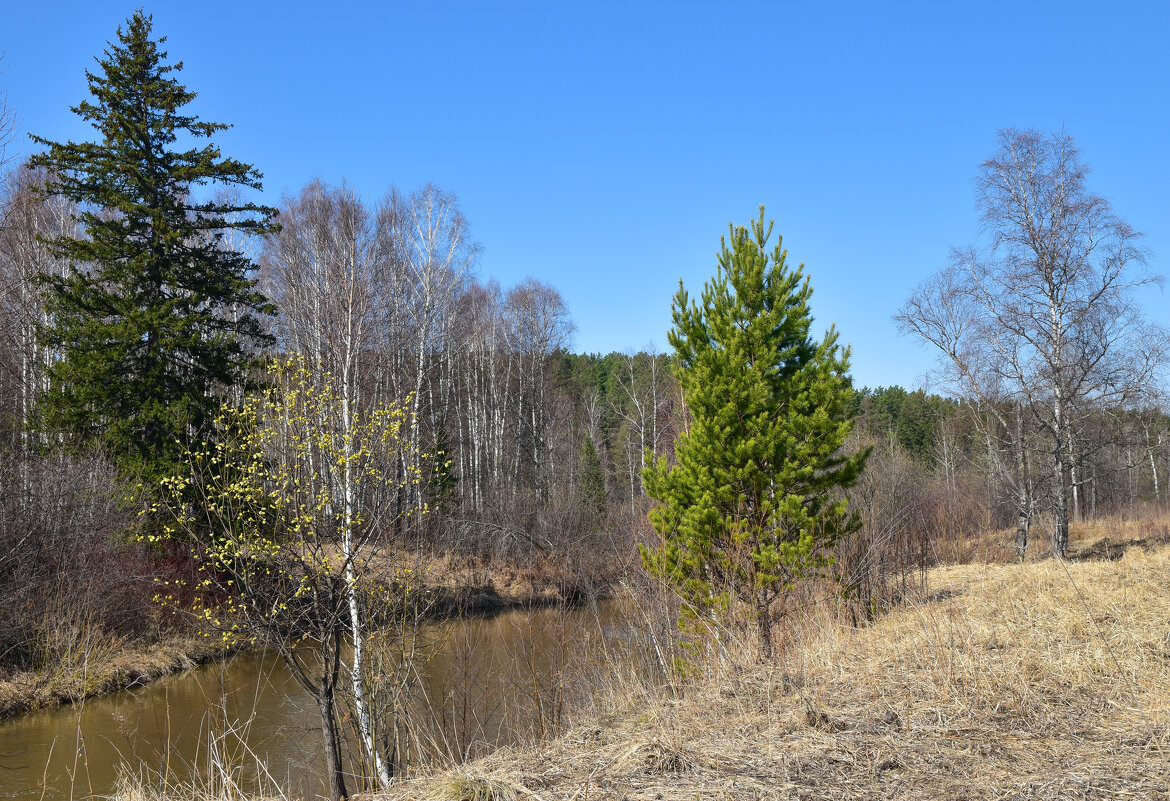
(1005, 682)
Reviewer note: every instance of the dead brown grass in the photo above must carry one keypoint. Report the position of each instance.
(497, 582)
(1104, 537)
(1046, 680)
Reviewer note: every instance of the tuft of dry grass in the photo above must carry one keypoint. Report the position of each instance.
(217, 773)
(130, 788)
(1046, 680)
(473, 787)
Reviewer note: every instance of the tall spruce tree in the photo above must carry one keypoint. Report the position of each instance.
(752, 504)
(593, 496)
(157, 311)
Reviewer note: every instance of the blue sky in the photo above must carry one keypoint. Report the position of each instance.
(603, 147)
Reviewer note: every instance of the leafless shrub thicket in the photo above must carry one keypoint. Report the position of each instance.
(65, 574)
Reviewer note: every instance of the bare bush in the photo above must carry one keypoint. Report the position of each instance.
(64, 573)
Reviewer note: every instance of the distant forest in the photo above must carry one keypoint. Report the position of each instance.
(544, 448)
(537, 453)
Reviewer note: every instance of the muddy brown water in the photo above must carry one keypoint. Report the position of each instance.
(479, 689)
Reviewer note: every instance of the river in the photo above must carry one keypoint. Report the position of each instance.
(488, 681)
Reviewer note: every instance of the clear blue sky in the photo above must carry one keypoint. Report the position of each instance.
(603, 147)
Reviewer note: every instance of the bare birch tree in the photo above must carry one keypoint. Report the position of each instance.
(538, 324)
(435, 258)
(1046, 312)
(943, 313)
(31, 220)
(320, 270)
(7, 129)
(643, 397)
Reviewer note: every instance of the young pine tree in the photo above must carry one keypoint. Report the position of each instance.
(752, 504)
(156, 312)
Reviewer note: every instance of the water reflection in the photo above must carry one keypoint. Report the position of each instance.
(488, 680)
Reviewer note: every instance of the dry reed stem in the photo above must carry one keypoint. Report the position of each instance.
(1005, 682)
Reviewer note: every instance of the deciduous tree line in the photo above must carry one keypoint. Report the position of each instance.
(385, 298)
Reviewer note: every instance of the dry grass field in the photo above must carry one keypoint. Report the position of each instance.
(1045, 680)
(1100, 538)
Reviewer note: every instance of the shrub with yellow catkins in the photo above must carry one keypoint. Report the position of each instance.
(267, 507)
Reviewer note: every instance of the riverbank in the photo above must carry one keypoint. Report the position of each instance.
(91, 664)
(103, 666)
(461, 585)
(1045, 680)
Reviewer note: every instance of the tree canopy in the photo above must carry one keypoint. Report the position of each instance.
(157, 310)
(752, 503)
